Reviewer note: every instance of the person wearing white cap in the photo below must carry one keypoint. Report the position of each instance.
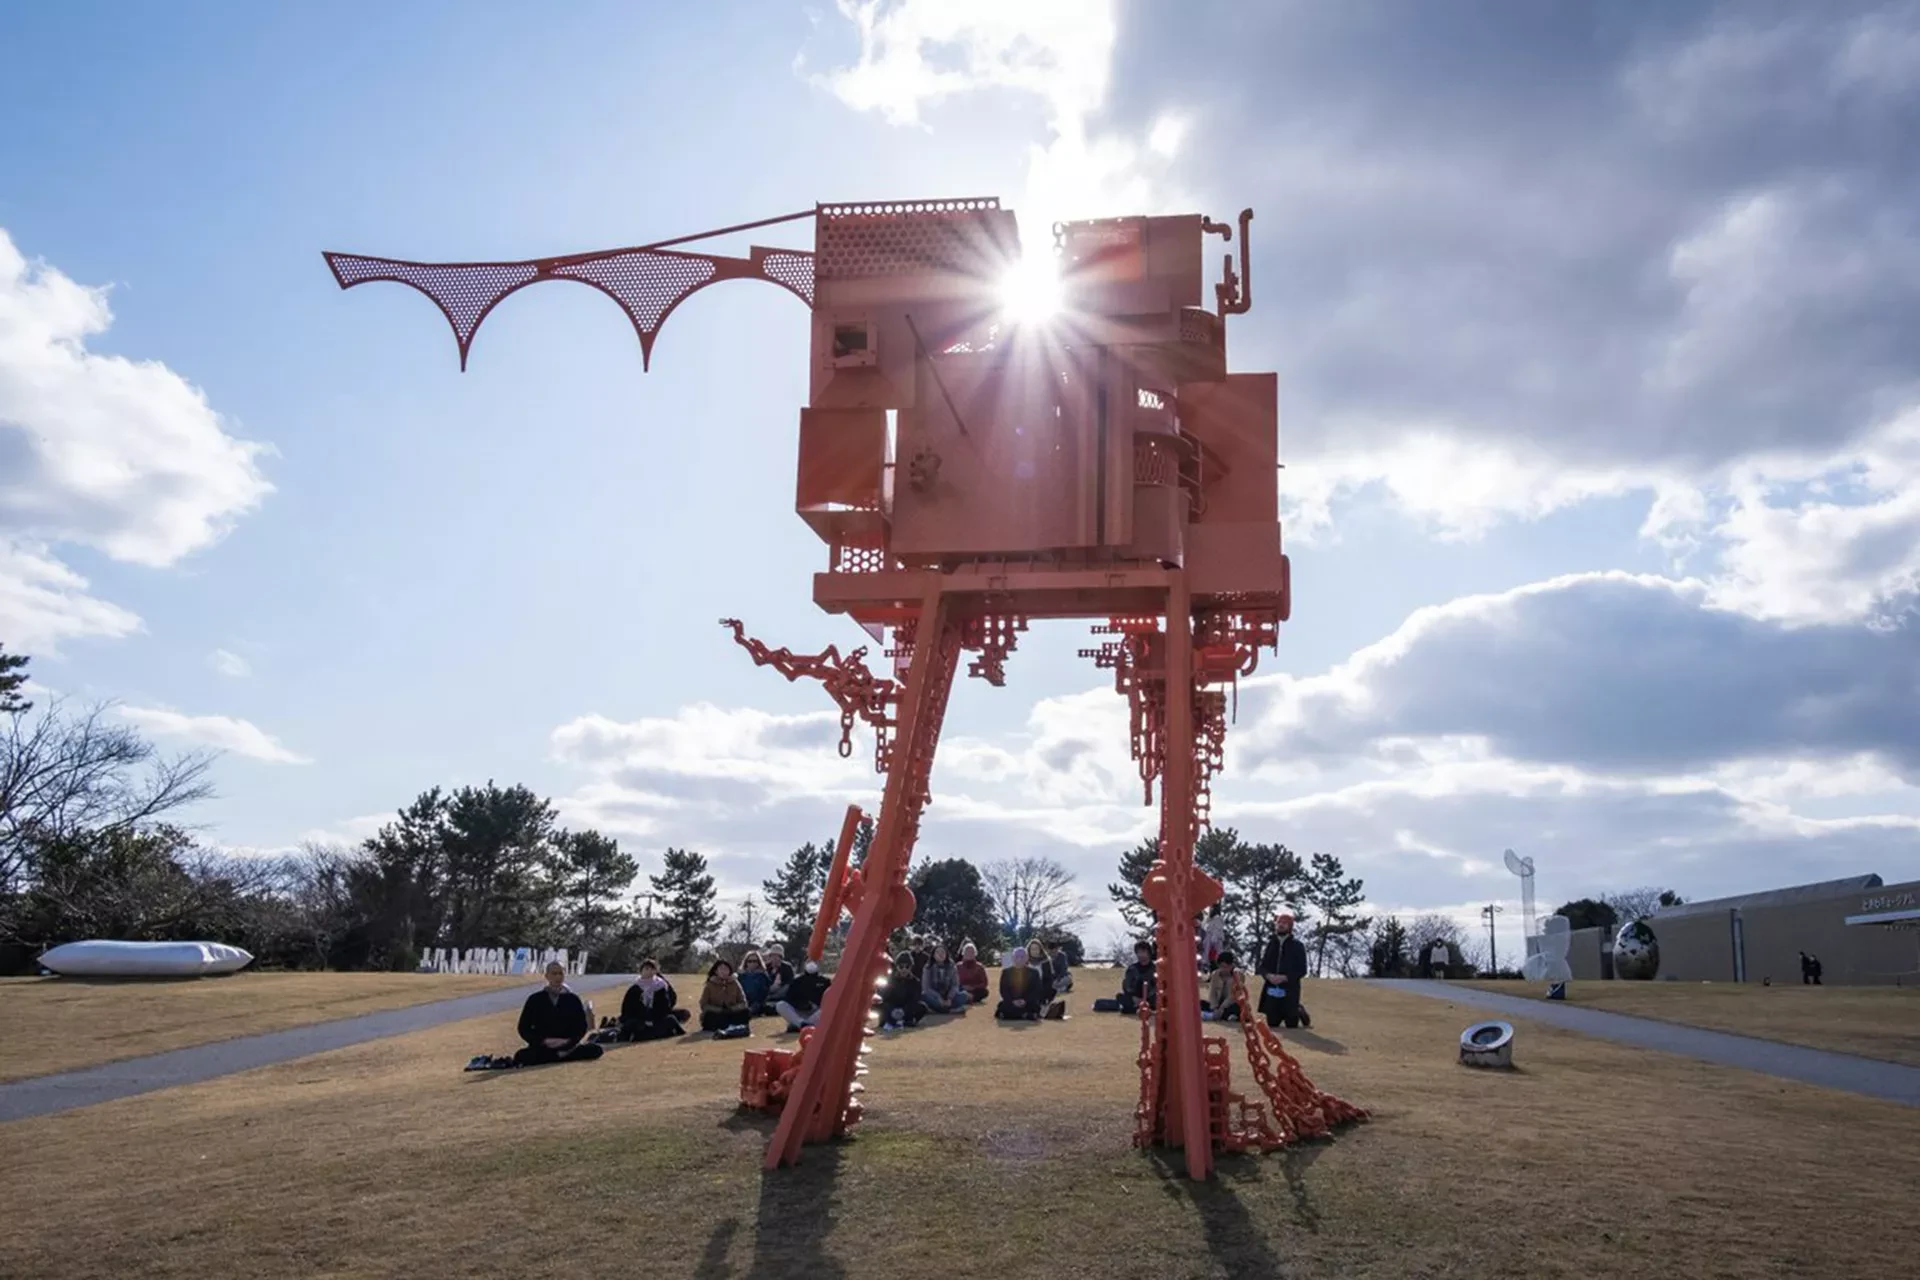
(1283, 968)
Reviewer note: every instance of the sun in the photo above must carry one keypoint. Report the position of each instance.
(1030, 291)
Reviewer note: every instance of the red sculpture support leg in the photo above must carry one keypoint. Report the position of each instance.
(1177, 892)
(818, 1105)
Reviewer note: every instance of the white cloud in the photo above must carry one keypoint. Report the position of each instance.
(917, 54)
(1835, 539)
(223, 733)
(43, 603)
(97, 450)
(228, 663)
(350, 832)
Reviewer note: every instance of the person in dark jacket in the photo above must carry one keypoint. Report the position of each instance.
(805, 995)
(1139, 985)
(900, 1002)
(1023, 994)
(1283, 968)
(755, 981)
(779, 971)
(553, 1022)
(648, 1012)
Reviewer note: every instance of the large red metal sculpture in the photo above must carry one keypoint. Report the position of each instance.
(968, 471)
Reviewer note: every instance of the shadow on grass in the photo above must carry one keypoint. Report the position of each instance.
(1228, 1228)
(795, 1218)
(1322, 1044)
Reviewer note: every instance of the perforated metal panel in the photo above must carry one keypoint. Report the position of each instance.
(464, 292)
(933, 237)
(646, 285)
(794, 270)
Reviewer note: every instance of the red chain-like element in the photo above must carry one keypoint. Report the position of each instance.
(853, 688)
(994, 636)
(1146, 1116)
(1299, 1109)
(1137, 660)
(1226, 646)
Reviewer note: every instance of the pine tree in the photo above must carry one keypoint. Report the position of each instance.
(1333, 897)
(592, 872)
(793, 895)
(13, 675)
(686, 900)
(1135, 863)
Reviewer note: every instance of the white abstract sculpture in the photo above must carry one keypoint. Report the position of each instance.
(1523, 867)
(1549, 963)
(99, 958)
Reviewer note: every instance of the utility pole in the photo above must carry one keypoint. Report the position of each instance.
(751, 935)
(1491, 910)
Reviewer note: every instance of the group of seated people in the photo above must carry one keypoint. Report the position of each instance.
(556, 1025)
(765, 985)
(1275, 985)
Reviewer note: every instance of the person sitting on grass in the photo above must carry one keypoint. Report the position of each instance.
(648, 1012)
(553, 1022)
(1139, 985)
(1220, 1006)
(940, 984)
(722, 1003)
(801, 1008)
(1053, 973)
(1022, 998)
(779, 973)
(972, 974)
(755, 981)
(922, 952)
(900, 1002)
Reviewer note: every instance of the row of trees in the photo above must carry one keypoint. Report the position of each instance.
(1260, 879)
(1612, 910)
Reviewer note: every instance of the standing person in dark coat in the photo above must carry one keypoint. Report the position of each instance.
(553, 1022)
(1283, 968)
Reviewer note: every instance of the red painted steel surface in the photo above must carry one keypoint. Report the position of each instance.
(970, 470)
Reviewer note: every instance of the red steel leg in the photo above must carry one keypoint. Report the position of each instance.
(1176, 891)
(818, 1101)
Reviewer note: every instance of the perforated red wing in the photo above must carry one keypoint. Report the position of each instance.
(647, 283)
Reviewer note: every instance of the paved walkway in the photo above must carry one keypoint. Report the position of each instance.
(1869, 1076)
(44, 1095)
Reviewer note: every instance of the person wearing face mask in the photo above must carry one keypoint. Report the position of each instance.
(805, 994)
(649, 1012)
(1283, 967)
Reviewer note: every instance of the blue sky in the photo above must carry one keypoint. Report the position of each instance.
(1600, 406)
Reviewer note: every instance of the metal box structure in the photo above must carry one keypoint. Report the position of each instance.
(969, 470)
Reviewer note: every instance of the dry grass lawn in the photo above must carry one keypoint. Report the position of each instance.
(1874, 1022)
(987, 1151)
(58, 1024)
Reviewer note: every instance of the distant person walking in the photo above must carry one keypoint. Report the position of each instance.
(1809, 970)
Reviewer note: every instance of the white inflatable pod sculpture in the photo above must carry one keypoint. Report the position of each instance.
(102, 959)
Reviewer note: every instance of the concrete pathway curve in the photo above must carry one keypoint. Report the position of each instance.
(45, 1095)
(1889, 1080)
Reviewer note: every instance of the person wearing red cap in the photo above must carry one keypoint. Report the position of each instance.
(1283, 968)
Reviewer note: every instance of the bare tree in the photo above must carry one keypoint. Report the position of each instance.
(67, 775)
(1631, 904)
(1033, 895)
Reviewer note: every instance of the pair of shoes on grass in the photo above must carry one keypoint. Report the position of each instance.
(491, 1062)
